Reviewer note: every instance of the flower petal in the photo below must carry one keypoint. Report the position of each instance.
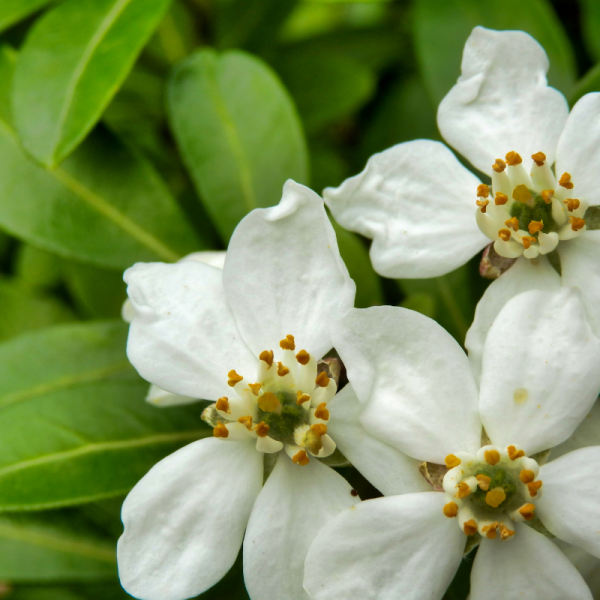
(388, 548)
(284, 274)
(528, 566)
(570, 504)
(389, 470)
(214, 258)
(160, 397)
(414, 380)
(295, 503)
(539, 351)
(183, 337)
(585, 563)
(522, 276)
(501, 101)
(578, 150)
(587, 434)
(417, 203)
(185, 520)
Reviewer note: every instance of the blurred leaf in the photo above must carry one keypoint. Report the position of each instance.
(13, 11)
(74, 426)
(443, 26)
(423, 303)
(72, 63)
(36, 268)
(8, 57)
(590, 24)
(56, 546)
(327, 167)
(590, 82)
(237, 131)
(98, 591)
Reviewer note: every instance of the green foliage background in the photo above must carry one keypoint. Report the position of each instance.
(142, 130)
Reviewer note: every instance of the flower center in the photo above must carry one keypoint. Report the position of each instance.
(528, 213)
(285, 409)
(492, 490)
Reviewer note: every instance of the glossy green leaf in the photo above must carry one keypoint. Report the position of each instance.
(12, 11)
(443, 26)
(74, 426)
(72, 63)
(237, 131)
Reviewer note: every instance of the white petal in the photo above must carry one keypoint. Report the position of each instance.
(528, 567)
(127, 311)
(522, 276)
(214, 258)
(183, 337)
(502, 101)
(417, 203)
(284, 274)
(185, 520)
(580, 266)
(570, 504)
(295, 503)
(386, 549)
(540, 372)
(587, 434)
(585, 563)
(389, 470)
(161, 397)
(579, 149)
(414, 380)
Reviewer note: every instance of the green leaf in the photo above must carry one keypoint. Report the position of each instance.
(99, 591)
(421, 302)
(590, 25)
(74, 426)
(36, 268)
(237, 131)
(13, 11)
(443, 26)
(74, 60)
(590, 82)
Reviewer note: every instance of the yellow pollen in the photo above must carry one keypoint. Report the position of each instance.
(526, 476)
(513, 453)
(527, 511)
(499, 165)
(303, 357)
(521, 193)
(572, 204)
(483, 191)
(262, 429)
(483, 481)
(322, 380)
(319, 429)
(233, 378)
(512, 223)
(450, 509)
(452, 461)
(482, 204)
(282, 370)
(504, 234)
(470, 527)
(492, 457)
(505, 532)
(255, 388)
(539, 158)
(576, 223)
(301, 398)
(500, 199)
(288, 343)
(463, 490)
(269, 402)
(220, 431)
(223, 405)
(300, 458)
(322, 412)
(535, 226)
(565, 181)
(513, 159)
(533, 488)
(495, 497)
(266, 356)
(527, 241)
(490, 530)
(547, 196)
(246, 421)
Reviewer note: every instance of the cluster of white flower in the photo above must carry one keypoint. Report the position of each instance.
(457, 445)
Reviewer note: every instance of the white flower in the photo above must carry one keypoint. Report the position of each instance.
(418, 202)
(248, 337)
(539, 380)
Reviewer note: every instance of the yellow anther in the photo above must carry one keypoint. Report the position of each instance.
(463, 490)
(452, 461)
(539, 158)
(499, 165)
(572, 204)
(495, 497)
(470, 527)
(505, 532)
(513, 453)
(533, 487)
(262, 429)
(301, 398)
(266, 356)
(450, 509)
(500, 199)
(513, 159)
(565, 181)
(482, 204)
(246, 421)
(319, 429)
(490, 530)
(313, 437)
(322, 380)
(504, 234)
(255, 388)
(289, 343)
(576, 223)
(220, 431)
(322, 412)
(300, 458)
(521, 193)
(483, 481)
(223, 405)
(269, 402)
(527, 241)
(303, 357)
(513, 223)
(233, 378)
(282, 370)
(535, 226)
(527, 511)
(547, 196)
(526, 476)
(483, 191)
(492, 457)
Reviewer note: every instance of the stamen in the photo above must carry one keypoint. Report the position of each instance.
(526, 476)
(301, 398)
(246, 421)
(495, 497)
(500, 199)
(220, 431)
(463, 490)
(255, 388)
(282, 370)
(547, 196)
(539, 158)
(268, 402)
(266, 356)
(504, 234)
(483, 191)
(483, 481)
(322, 380)
(470, 527)
(535, 226)
(572, 204)
(499, 165)
(565, 181)
(576, 223)
(505, 532)
(492, 457)
(450, 510)
(322, 412)
(527, 241)
(300, 458)
(452, 461)
(223, 405)
(513, 159)
(533, 488)
(527, 511)
(319, 429)
(289, 343)
(513, 223)
(233, 378)
(482, 204)
(303, 357)
(521, 193)
(513, 453)
(490, 530)
(262, 429)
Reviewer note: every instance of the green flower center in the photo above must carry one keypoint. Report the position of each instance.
(284, 421)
